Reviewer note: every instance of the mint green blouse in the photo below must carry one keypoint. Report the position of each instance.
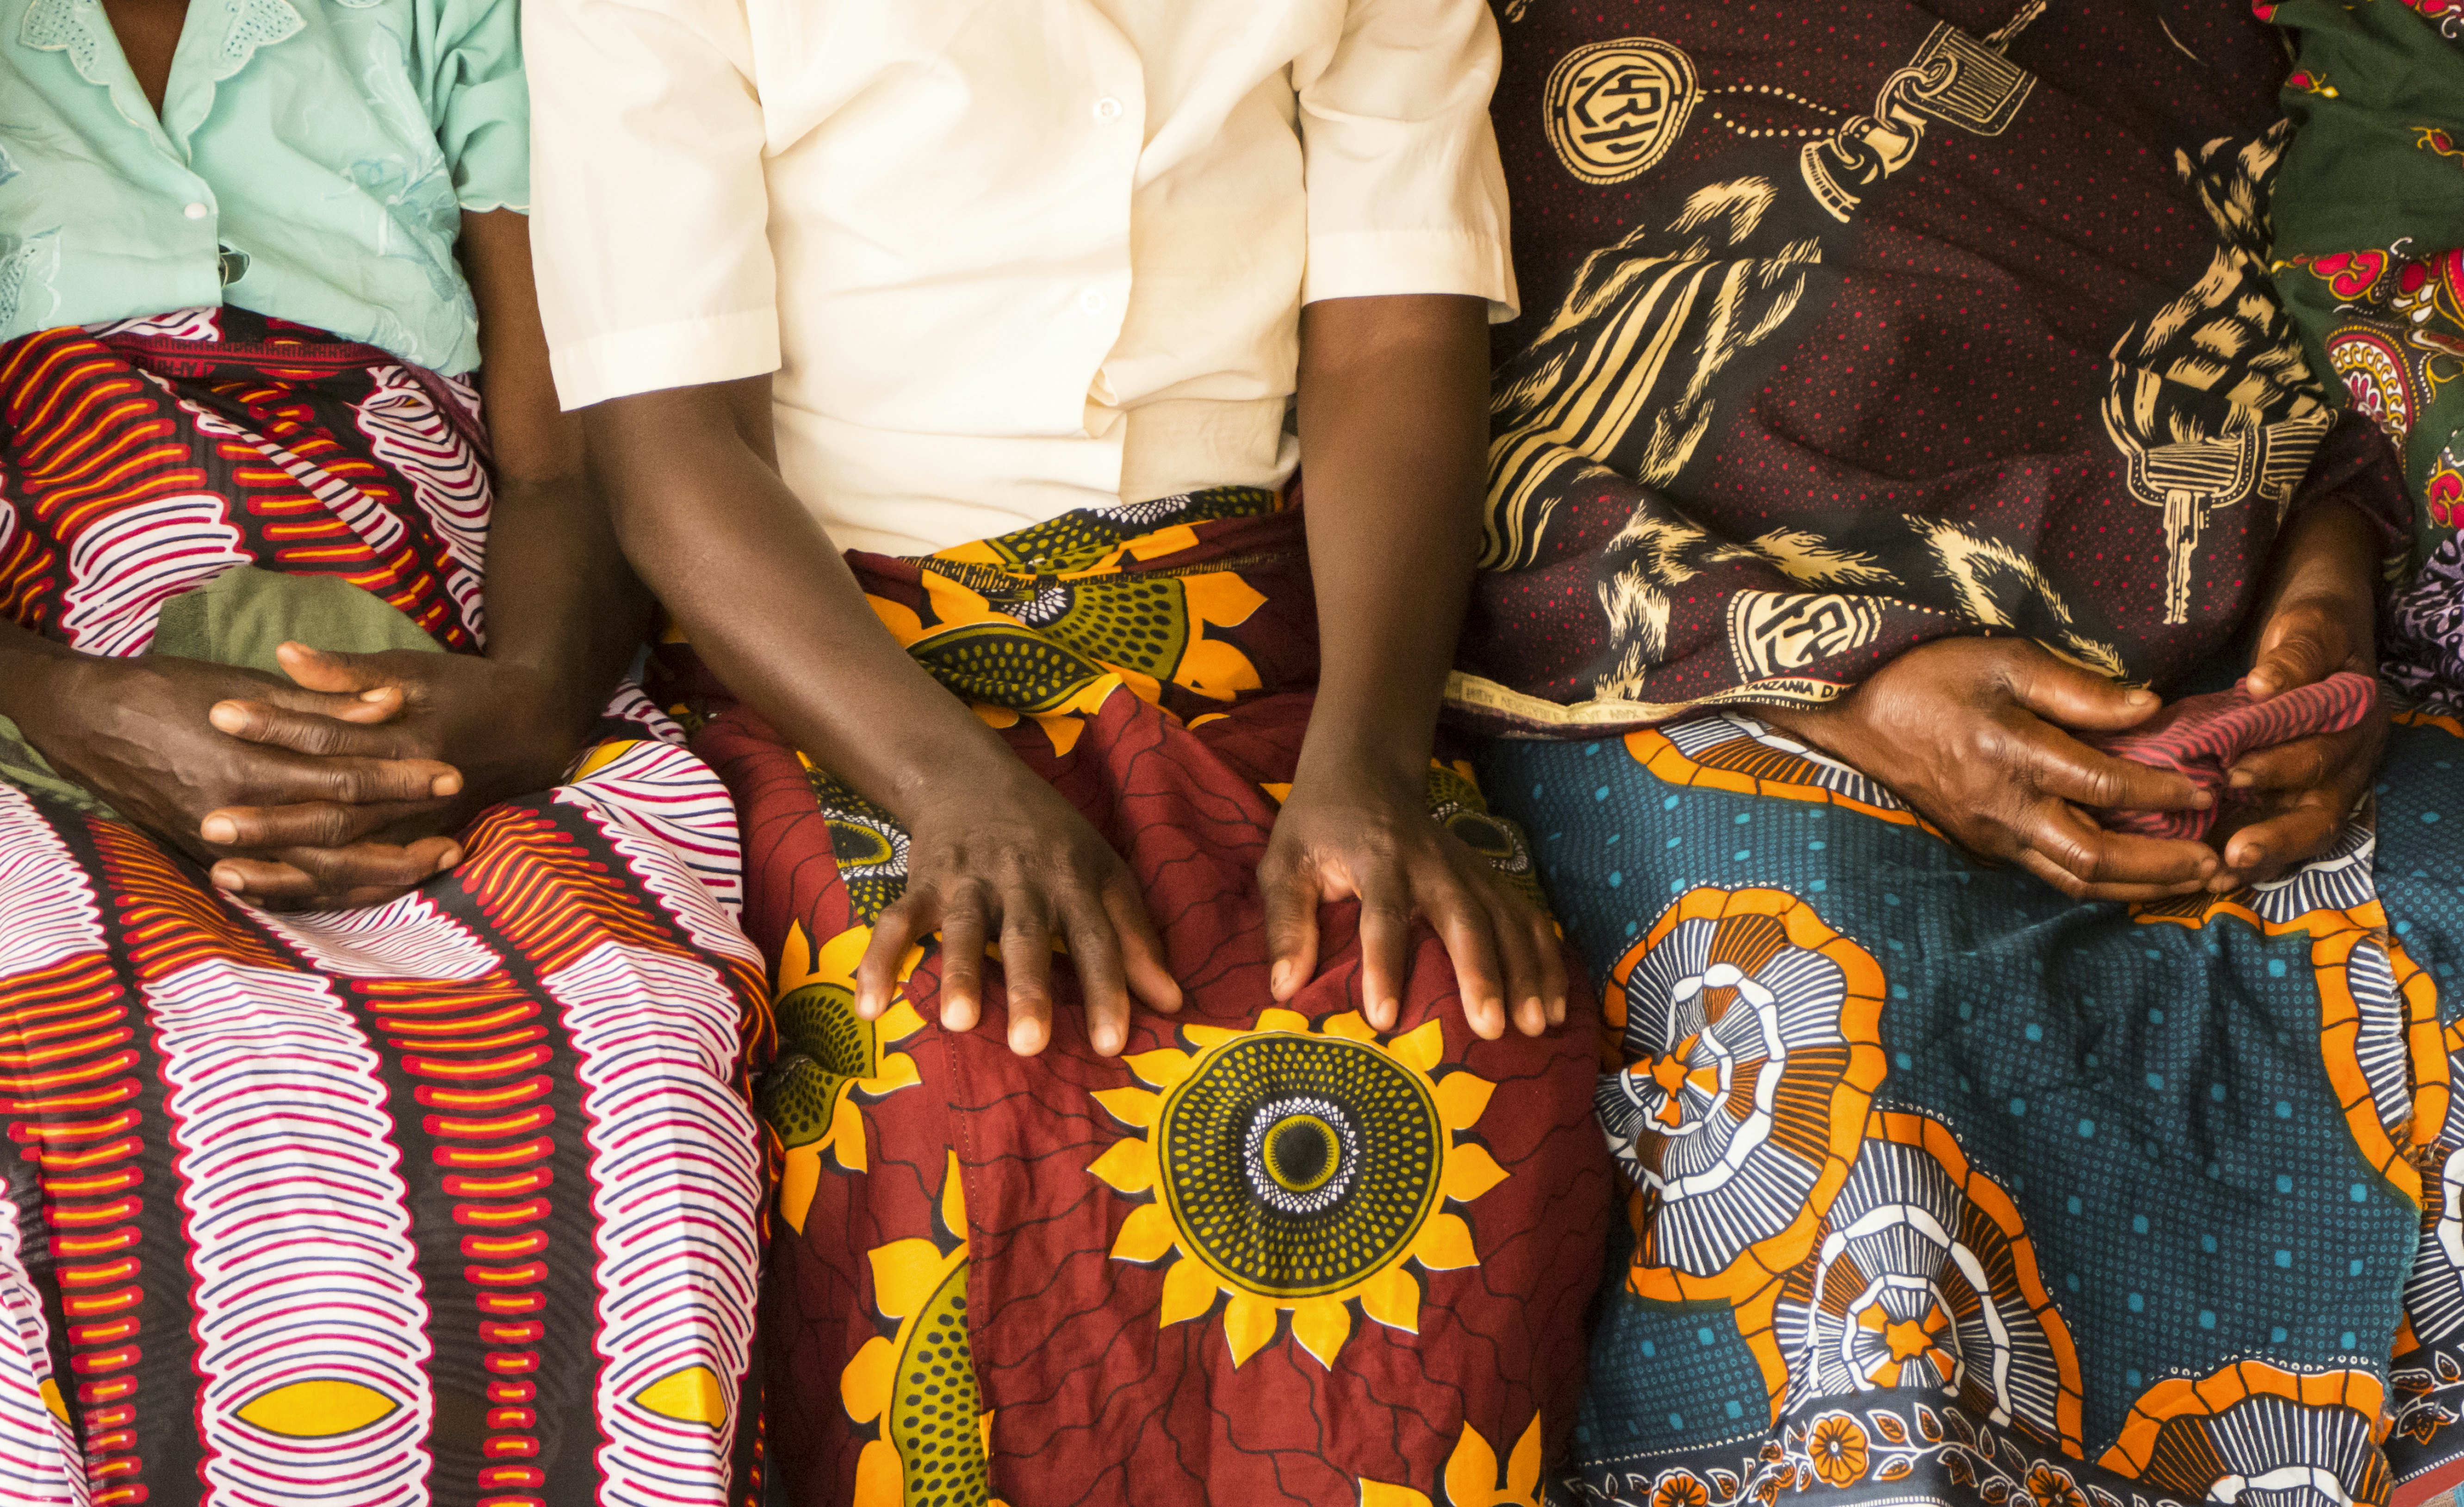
(312, 161)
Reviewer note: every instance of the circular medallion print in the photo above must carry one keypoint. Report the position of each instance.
(1297, 1165)
(1727, 751)
(1921, 1276)
(1615, 108)
(1751, 1034)
(2252, 1432)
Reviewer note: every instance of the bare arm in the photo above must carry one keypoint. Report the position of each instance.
(1394, 425)
(564, 617)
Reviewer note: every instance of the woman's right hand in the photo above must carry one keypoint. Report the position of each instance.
(137, 733)
(1971, 732)
(994, 854)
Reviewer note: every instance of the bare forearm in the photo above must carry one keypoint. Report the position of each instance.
(769, 603)
(561, 601)
(1393, 424)
(30, 668)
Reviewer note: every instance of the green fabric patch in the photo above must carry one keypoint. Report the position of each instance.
(242, 616)
(239, 618)
(2370, 193)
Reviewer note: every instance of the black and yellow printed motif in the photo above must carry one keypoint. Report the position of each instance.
(1288, 1169)
(917, 1384)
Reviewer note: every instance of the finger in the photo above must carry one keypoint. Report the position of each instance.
(1026, 970)
(1385, 944)
(893, 931)
(363, 780)
(315, 874)
(2296, 650)
(2298, 765)
(1463, 923)
(2112, 865)
(1292, 896)
(2063, 767)
(315, 823)
(1103, 988)
(2275, 843)
(1142, 953)
(965, 921)
(1526, 1000)
(320, 732)
(2076, 698)
(270, 886)
(373, 693)
(1554, 982)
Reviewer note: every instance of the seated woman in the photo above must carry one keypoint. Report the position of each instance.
(454, 1198)
(1905, 396)
(1007, 302)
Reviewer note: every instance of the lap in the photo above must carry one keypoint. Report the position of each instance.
(1266, 1253)
(1923, 1151)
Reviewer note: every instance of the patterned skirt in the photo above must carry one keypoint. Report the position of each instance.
(1938, 1186)
(454, 1200)
(1267, 1255)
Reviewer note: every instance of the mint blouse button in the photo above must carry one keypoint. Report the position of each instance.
(196, 211)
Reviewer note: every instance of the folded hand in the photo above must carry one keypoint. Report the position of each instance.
(1972, 734)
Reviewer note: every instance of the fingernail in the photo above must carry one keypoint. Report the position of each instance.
(228, 879)
(446, 785)
(227, 717)
(2201, 799)
(868, 1005)
(2140, 698)
(378, 694)
(1279, 979)
(451, 856)
(1107, 1042)
(218, 829)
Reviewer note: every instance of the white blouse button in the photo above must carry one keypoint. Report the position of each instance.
(1091, 302)
(1107, 110)
(196, 211)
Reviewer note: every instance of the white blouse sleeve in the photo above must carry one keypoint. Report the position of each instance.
(648, 212)
(1405, 191)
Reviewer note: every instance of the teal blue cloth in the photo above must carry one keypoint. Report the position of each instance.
(312, 162)
(2082, 1159)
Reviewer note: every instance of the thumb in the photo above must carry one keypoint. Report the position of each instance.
(2292, 653)
(377, 695)
(2073, 698)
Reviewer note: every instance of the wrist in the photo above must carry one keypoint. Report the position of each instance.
(37, 676)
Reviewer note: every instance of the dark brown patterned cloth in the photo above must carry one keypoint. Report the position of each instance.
(1852, 326)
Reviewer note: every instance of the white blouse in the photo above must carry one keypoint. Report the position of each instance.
(1007, 257)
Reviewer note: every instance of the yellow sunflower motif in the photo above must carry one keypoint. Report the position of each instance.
(919, 1384)
(1287, 1169)
(828, 1056)
(1472, 1476)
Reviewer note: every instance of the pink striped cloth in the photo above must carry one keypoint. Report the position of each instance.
(2203, 735)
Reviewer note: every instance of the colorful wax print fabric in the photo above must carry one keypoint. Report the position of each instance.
(1939, 1186)
(1266, 1256)
(2369, 248)
(1852, 326)
(456, 1200)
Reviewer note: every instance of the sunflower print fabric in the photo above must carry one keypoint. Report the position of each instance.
(1269, 1255)
(1938, 1186)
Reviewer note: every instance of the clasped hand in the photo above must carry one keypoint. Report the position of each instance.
(1976, 734)
(340, 789)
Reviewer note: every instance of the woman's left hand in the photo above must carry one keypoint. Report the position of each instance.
(1359, 835)
(2319, 617)
(503, 727)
